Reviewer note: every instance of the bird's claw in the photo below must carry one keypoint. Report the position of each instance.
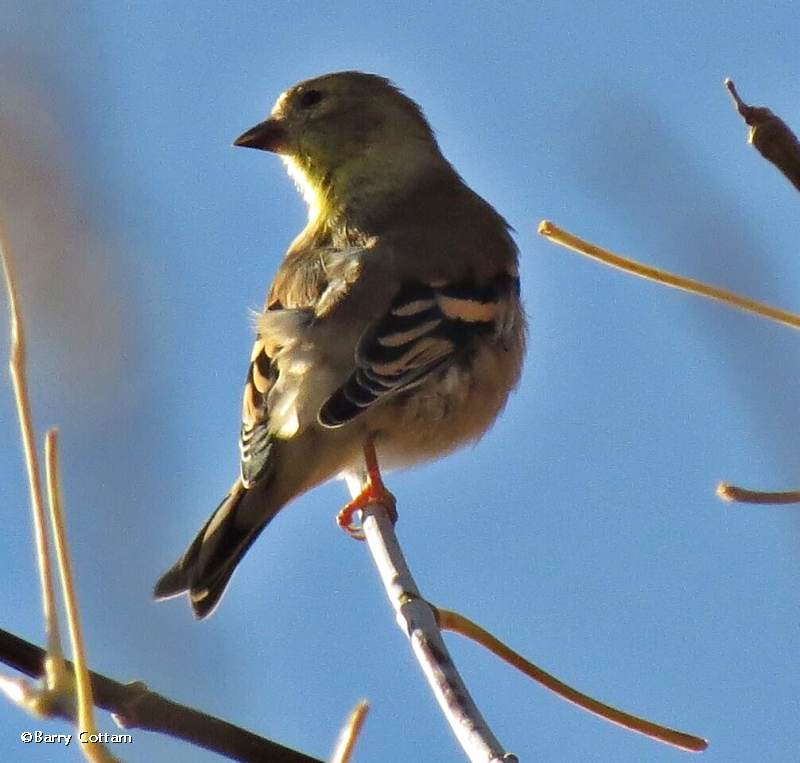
(369, 495)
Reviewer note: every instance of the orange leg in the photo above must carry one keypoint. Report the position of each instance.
(374, 491)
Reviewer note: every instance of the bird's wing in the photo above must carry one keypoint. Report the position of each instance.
(309, 284)
(427, 326)
(270, 392)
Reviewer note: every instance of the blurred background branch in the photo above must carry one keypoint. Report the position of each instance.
(67, 686)
(771, 136)
(348, 737)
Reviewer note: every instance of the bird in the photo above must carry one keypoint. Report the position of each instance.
(393, 331)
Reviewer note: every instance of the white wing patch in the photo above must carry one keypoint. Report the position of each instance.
(278, 362)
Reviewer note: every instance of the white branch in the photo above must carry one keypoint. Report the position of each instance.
(416, 619)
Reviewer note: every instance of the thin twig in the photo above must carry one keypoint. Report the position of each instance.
(93, 750)
(734, 494)
(416, 619)
(350, 733)
(559, 236)
(55, 677)
(777, 144)
(58, 689)
(134, 706)
(771, 136)
(453, 621)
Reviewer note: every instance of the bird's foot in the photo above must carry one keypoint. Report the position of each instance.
(372, 493)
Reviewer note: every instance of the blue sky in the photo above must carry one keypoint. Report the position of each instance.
(583, 529)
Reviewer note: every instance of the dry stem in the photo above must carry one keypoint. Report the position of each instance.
(133, 705)
(453, 621)
(92, 750)
(56, 678)
(350, 733)
(732, 493)
(559, 236)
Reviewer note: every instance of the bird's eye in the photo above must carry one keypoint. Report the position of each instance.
(310, 97)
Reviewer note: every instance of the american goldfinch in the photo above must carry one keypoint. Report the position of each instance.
(392, 333)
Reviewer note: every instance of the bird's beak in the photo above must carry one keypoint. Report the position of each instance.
(269, 135)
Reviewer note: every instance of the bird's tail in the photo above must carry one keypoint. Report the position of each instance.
(204, 569)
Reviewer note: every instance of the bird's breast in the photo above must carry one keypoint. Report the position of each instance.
(455, 406)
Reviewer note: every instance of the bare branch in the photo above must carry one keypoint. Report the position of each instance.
(734, 494)
(54, 674)
(771, 136)
(453, 621)
(559, 236)
(92, 749)
(350, 733)
(416, 619)
(134, 706)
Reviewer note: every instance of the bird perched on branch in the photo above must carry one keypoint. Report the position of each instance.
(392, 333)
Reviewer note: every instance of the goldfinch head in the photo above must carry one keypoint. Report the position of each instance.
(342, 130)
